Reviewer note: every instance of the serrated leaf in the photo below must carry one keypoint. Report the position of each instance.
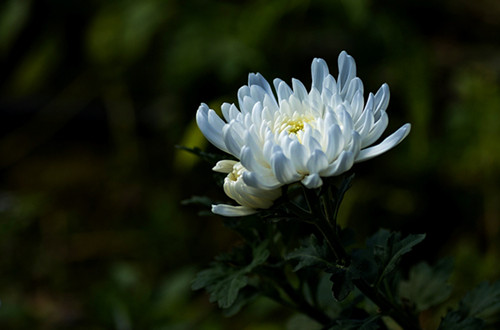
(312, 254)
(483, 302)
(427, 286)
(341, 284)
(478, 308)
(454, 321)
(244, 296)
(388, 248)
(370, 323)
(362, 265)
(224, 280)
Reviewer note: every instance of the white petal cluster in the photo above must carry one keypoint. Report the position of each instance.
(299, 135)
(249, 198)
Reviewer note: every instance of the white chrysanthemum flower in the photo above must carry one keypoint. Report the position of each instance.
(300, 135)
(249, 198)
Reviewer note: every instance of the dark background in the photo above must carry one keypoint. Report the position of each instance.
(94, 95)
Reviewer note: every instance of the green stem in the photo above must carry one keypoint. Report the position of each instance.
(295, 299)
(326, 224)
(303, 306)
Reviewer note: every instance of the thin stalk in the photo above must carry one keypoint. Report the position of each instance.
(304, 306)
(295, 299)
(408, 322)
(327, 225)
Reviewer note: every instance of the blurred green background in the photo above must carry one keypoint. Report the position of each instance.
(94, 95)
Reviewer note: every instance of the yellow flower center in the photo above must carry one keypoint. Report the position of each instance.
(236, 172)
(294, 126)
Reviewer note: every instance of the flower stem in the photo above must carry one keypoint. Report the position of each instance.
(295, 299)
(326, 223)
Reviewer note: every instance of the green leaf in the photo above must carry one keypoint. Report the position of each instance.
(388, 248)
(224, 279)
(341, 283)
(206, 156)
(370, 323)
(455, 321)
(483, 302)
(197, 200)
(312, 254)
(479, 307)
(427, 286)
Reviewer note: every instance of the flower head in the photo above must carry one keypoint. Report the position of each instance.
(299, 135)
(249, 198)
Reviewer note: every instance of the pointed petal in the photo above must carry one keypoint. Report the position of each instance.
(224, 166)
(389, 142)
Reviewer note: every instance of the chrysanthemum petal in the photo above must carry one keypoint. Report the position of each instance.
(389, 142)
(283, 167)
(256, 79)
(381, 100)
(211, 126)
(347, 71)
(317, 161)
(224, 166)
(283, 90)
(335, 143)
(376, 131)
(312, 181)
(232, 140)
(342, 164)
(356, 85)
(299, 90)
(261, 180)
(230, 111)
(298, 156)
(319, 70)
(232, 211)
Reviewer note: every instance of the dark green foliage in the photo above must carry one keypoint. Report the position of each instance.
(478, 308)
(96, 94)
(371, 323)
(388, 248)
(224, 279)
(427, 285)
(206, 156)
(312, 254)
